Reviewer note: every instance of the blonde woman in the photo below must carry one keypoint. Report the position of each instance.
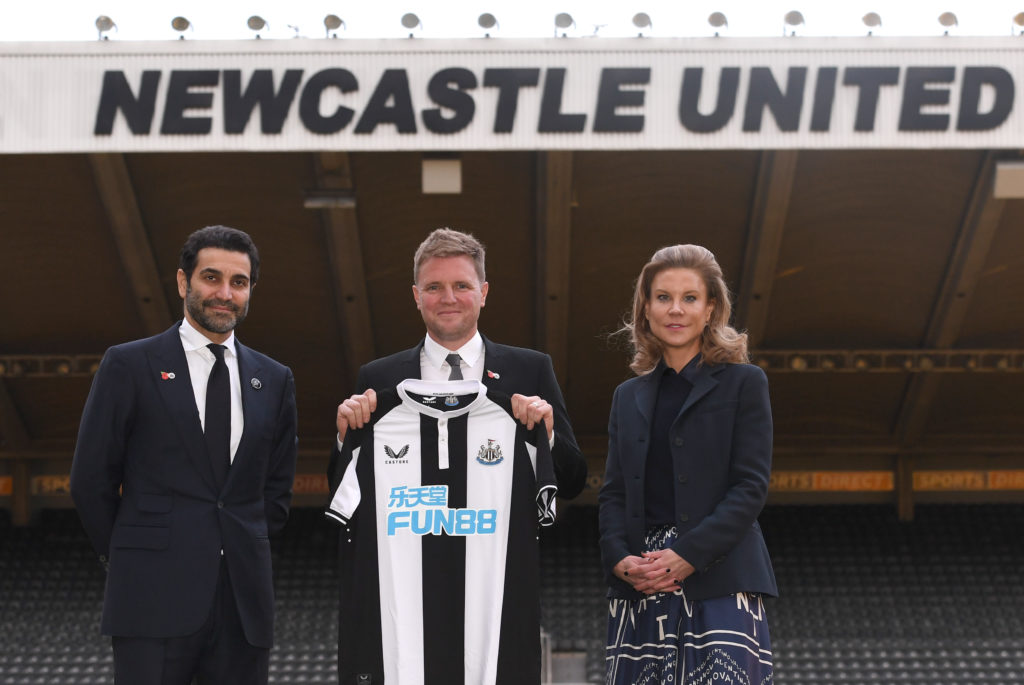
(689, 457)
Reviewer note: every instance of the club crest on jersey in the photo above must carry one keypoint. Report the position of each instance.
(490, 454)
(395, 457)
(451, 401)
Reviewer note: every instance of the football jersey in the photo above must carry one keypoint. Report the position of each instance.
(440, 496)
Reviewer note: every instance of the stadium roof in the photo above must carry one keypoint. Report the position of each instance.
(880, 283)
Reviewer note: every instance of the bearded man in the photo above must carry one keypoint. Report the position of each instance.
(183, 467)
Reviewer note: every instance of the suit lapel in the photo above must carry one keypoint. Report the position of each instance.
(647, 390)
(255, 405)
(494, 365)
(647, 394)
(410, 363)
(167, 358)
(645, 397)
(702, 385)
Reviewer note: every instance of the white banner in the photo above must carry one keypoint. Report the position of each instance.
(495, 94)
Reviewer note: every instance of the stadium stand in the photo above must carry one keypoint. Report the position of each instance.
(867, 599)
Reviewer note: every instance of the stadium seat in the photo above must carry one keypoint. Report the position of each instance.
(866, 599)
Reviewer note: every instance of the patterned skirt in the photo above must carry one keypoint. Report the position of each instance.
(667, 639)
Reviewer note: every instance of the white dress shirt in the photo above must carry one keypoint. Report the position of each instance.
(434, 366)
(200, 362)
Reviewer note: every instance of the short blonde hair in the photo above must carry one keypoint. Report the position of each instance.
(445, 242)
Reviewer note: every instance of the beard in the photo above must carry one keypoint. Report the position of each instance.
(215, 322)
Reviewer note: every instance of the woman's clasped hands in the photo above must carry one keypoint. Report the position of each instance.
(659, 571)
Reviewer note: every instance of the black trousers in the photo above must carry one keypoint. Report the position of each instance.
(217, 654)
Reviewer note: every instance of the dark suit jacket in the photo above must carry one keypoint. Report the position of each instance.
(516, 370)
(721, 444)
(144, 488)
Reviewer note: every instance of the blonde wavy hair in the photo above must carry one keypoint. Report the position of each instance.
(719, 342)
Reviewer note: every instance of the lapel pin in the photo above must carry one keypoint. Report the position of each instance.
(255, 383)
(167, 375)
(491, 374)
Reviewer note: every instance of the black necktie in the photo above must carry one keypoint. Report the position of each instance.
(453, 361)
(218, 416)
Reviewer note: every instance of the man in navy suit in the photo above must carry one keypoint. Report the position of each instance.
(450, 288)
(183, 467)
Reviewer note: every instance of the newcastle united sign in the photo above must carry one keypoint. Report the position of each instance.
(709, 93)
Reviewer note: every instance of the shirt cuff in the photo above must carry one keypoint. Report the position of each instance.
(337, 439)
(551, 442)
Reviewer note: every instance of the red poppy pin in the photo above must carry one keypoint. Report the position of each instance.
(491, 374)
(167, 375)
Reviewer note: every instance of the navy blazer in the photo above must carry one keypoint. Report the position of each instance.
(512, 370)
(721, 444)
(144, 488)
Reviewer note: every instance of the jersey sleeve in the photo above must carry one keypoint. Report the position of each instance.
(345, 499)
(347, 494)
(544, 472)
(538, 447)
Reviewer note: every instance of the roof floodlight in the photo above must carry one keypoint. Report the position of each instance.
(717, 21)
(872, 21)
(332, 22)
(563, 20)
(1018, 19)
(411, 22)
(257, 23)
(487, 21)
(181, 24)
(104, 24)
(947, 19)
(792, 19)
(642, 21)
